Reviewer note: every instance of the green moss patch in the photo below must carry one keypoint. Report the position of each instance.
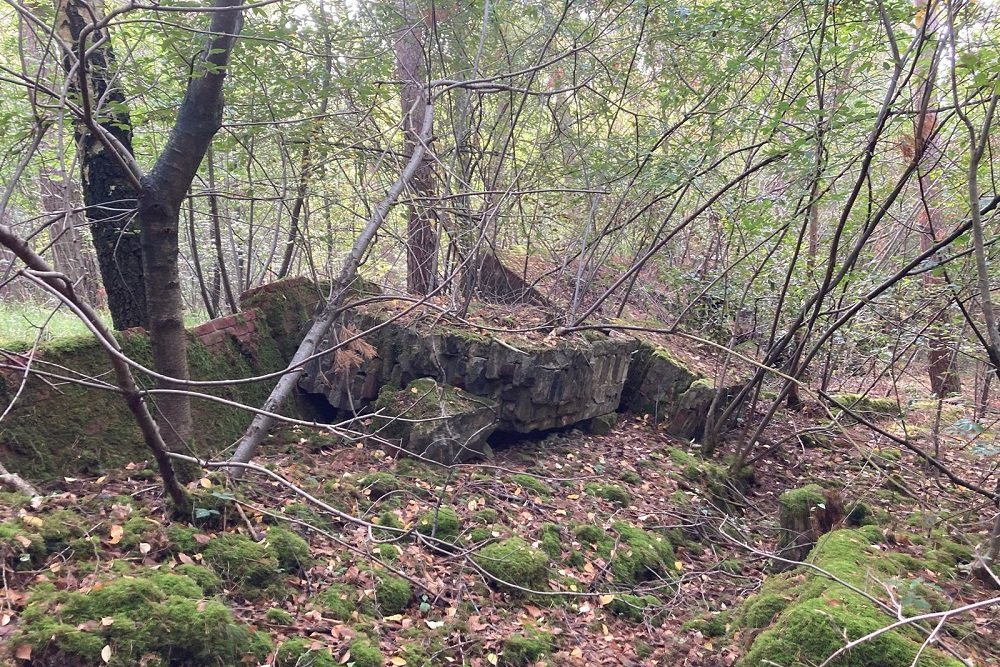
(514, 561)
(250, 568)
(532, 484)
(807, 617)
(298, 652)
(365, 654)
(635, 608)
(443, 524)
(610, 492)
(526, 649)
(291, 551)
(153, 613)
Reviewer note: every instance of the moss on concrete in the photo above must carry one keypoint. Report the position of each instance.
(95, 432)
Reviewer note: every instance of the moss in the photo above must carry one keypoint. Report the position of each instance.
(515, 562)
(860, 514)
(20, 547)
(526, 649)
(339, 601)
(871, 407)
(181, 539)
(279, 616)
(479, 534)
(298, 652)
(487, 516)
(760, 610)
(731, 566)
(809, 632)
(136, 530)
(532, 483)
(418, 470)
(551, 541)
(388, 552)
(151, 614)
(799, 502)
(93, 435)
(634, 608)
(389, 520)
(808, 616)
(379, 484)
(249, 567)
(365, 654)
(609, 492)
(589, 533)
(205, 578)
(290, 550)
(602, 425)
(14, 499)
(392, 594)
(443, 524)
(306, 514)
(639, 555)
(630, 477)
(712, 626)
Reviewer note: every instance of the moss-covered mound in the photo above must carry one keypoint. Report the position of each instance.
(298, 652)
(807, 617)
(249, 568)
(526, 649)
(634, 555)
(95, 432)
(514, 561)
(151, 618)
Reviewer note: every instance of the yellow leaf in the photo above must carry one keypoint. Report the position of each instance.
(678, 565)
(576, 653)
(106, 653)
(117, 532)
(606, 599)
(394, 617)
(491, 658)
(398, 662)
(205, 482)
(434, 625)
(107, 620)
(32, 521)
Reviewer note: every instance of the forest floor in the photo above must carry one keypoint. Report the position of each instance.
(599, 507)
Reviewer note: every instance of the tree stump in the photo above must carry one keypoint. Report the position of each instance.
(806, 513)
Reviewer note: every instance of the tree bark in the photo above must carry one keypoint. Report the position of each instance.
(941, 361)
(108, 192)
(421, 243)
(160, 200)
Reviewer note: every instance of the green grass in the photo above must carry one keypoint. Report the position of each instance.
(20, 323)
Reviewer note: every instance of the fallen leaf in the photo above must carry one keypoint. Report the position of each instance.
(144, 548)
(107, 620)
(106, 653)
(32, 521)
(394, 617)
(23, 652)
(347, 656)
(398, 662)
(434, 625)
(184, 558)
(606, 599)
(205, 483)
(117, 533)
(492, 658)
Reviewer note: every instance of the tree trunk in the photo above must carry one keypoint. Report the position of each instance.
(941, 362)
(421, 244)
(69, 256)
(108, 192)
(163, 192)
